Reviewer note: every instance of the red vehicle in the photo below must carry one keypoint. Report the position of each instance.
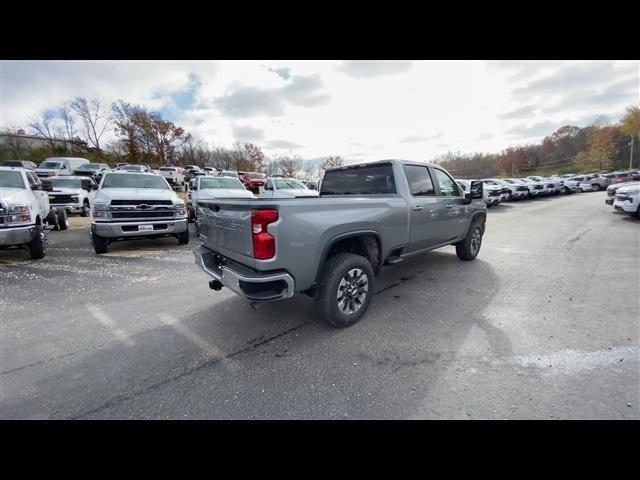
(252, 180)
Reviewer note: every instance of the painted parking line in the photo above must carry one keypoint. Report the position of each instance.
(104, 320)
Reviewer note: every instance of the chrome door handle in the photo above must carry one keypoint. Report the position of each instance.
(418, 208)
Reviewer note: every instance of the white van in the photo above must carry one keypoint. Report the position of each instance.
(59, 166)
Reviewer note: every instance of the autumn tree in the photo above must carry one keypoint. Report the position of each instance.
(601, 148)
(45, 127)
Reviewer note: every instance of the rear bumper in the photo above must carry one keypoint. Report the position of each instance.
(161, 227)
(249, 284)
(16, 235)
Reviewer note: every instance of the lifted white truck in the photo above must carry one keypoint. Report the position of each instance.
(130, 206)
(25, 212)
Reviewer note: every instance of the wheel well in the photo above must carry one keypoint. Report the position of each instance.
(366, 245)
(38, 220)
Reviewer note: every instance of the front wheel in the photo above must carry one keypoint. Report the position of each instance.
(100, 244)
(38, 246)
(85, 209)
(595, 187)
(469, 248)
(183, 237)
(346, 287)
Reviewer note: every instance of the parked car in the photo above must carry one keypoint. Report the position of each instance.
(212, 187)
(72, 193)
(93, 170)
(368, 215)
(600, 181)
(228, 173)
(521, 186)
(59, 166)
(536, 189)
(612, 189)
(252, 180)
(134, 168)
(548, 186)
(286, 188)
(576, 184)
(509, 191)
(20, 163)
(493, 194)
(174, 177)
(25, 212)
(628, 200)
(131, 205)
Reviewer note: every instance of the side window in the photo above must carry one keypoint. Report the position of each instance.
(448, 187)
(269, 185)
(419, 179)
(32, 179)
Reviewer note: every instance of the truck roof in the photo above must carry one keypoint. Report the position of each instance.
(374, 162)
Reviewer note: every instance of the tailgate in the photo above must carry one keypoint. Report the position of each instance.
(225, 227)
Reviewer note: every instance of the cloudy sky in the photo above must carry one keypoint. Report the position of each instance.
(357, 109)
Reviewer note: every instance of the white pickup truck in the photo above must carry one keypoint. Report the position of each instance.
(72, 193)
(174, 177)
(130, 206)
(207, 187)
(25, 211)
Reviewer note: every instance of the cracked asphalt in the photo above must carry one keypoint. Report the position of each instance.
(544, 324)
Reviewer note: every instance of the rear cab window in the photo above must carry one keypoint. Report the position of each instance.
(372, 179)
(419, 178)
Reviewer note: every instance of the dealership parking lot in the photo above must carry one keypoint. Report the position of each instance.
(544, 324)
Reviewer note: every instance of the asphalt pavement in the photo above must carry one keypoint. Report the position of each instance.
(544, 324)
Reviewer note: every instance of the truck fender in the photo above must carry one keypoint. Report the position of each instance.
(343, 236)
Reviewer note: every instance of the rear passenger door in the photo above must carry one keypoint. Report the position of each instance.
(450, 198)
(424, 229)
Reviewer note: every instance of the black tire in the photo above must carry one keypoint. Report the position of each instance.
(191, 217)
(596, 187)
(85, 209)
(38, 246)
(52, 219)
(63, 219)
(469, 248)
(100, 244)
(334, 310)
(183, 237)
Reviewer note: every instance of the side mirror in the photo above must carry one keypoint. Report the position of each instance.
(475, 190)
(37, 186)
(467, 198)
(47, 186)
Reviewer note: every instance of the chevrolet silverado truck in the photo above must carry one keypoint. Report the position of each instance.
(212, 187)
(72, 193)
(331, 248)
(25, 212)
(130, 206)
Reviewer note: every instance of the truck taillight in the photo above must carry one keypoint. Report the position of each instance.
(264, 245)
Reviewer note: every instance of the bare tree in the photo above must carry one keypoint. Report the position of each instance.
(290, 166)
(66, 115)
(332, 161)
(46, 128)
(94, 118)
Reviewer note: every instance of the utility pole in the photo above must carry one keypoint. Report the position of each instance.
(631, 154)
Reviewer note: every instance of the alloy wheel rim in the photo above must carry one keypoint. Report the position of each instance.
(352, 291)
(476, 240)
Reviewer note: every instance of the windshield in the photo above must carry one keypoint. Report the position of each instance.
(51, 165)
(132, 168)
(66, 182)
(89, 166)
(11, 180)
(124, 180)
(221, 182)
(280, 184)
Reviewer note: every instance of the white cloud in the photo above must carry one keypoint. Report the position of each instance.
(355, 109)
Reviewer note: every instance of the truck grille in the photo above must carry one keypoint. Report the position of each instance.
(538, 187)
(142, 214)
(495, 193)
(621, 198)
(62, 199)
(522, 189)
(141, 202)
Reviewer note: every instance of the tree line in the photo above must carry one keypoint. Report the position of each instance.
(570, 149)
(142, 136)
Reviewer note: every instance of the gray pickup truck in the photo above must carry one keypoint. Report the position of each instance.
(330, 248)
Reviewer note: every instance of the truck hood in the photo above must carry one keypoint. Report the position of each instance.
(294, 192)
(13, 196)
(211, 193)
(628, 189)
(107, 194)
(51, 171)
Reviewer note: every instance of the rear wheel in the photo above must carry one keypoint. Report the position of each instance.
(38, 246)
(469, 248)
(52, 219)
(85, 209)
(345, 291)
(595, 187)
(63, 219)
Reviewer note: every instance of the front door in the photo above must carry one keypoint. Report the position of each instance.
(452, 208)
